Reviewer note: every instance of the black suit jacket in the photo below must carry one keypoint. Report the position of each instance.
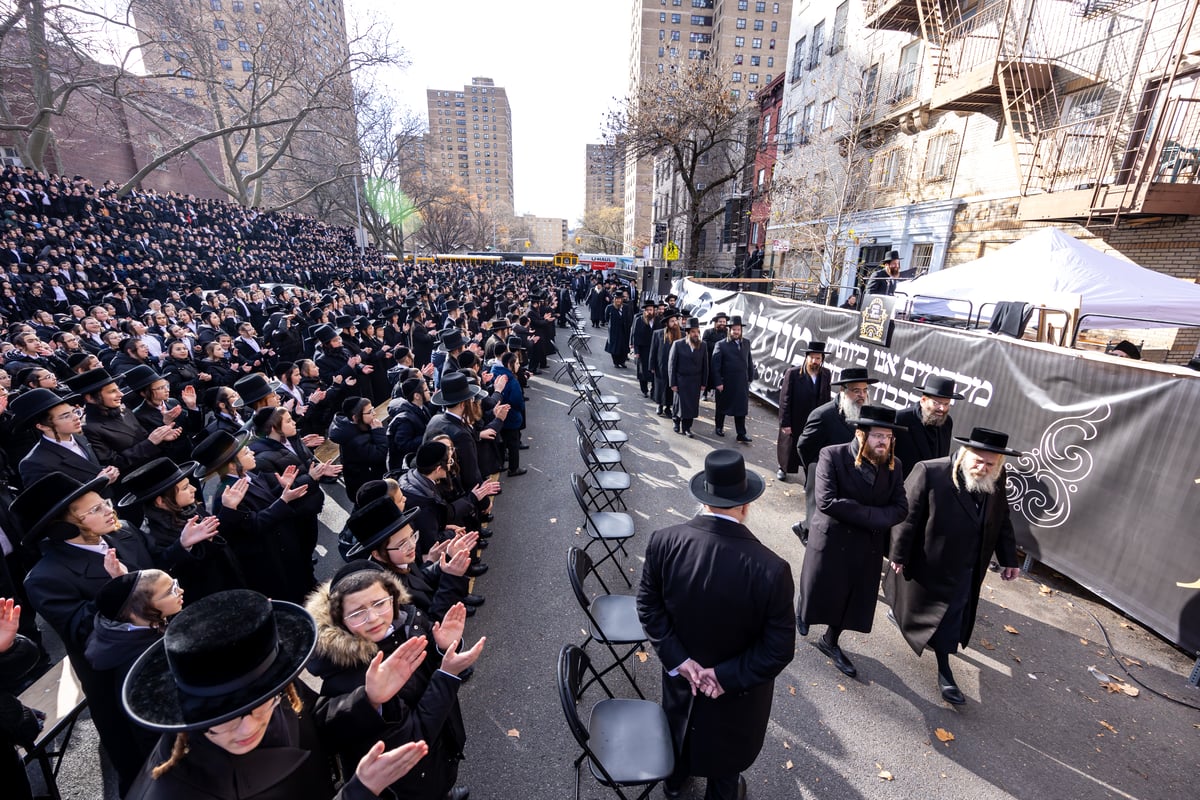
(465, 451)
(47, 457)
(918, 442)
(825, 426)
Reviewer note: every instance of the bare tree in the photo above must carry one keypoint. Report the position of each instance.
(600, 230)
(695, 118)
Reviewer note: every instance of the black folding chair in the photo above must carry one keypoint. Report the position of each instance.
(612, 618)
(600, 436)
(627, 743)
(609, 528)
(606, 484)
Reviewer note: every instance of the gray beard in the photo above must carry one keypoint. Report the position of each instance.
(981, 485)
(930, 421)
(849, 408)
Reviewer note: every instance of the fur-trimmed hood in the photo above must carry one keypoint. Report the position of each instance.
(337, 646)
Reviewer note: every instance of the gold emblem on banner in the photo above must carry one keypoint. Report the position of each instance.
(875, 319)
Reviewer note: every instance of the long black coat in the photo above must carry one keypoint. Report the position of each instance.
(846, 539)
(799, 394)
(712, 592)
(687, 371)
(825, 426)
(620, 326)
(733, 369)
(917, 442)
(47, 457)
(118, 439)
(465, 452)
(936, 554)
(660, 353)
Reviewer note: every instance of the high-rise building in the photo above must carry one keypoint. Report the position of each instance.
(470, 141)
(605, 182)
(747, 38)
(546, 234)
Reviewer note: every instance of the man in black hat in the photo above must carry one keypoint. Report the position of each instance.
(732, 371)
(660, 353)
(804, 387)
(860, 496)
(717, 333)
(829, 424)
(619, 320)
(958, 518)
(928, 426)
(114, 433)
(883, 280)
(639, 340)
(452, 398)
(687, 372)
(61, 446)
(721, 641)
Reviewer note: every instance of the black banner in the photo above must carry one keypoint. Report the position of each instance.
(1108, 492)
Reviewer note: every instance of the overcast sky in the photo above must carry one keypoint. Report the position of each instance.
(562, 64)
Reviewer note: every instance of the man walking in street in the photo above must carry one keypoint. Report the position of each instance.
(687, 370)
(957, 520)
(732, 371)
(928, 426)
(829, 424)
(717, 333)
(715, 603)
(804, 387)
(643, 334)
(860, 496)
(620, 322)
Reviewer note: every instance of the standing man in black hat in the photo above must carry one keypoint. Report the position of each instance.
(829, 424)
(957, 519)
(721, 639)
(883, 280)
(928, 426)
(860, 496)
(687, 371)
(732, 370)
(61, 446)
(620, 322)
(717, 333)
(116, 436)
(640, 340)
(660, 353)
(804, 387)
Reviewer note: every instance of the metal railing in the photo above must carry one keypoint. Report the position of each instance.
(1164, 323)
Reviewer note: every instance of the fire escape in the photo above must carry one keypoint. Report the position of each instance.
(1095, 96)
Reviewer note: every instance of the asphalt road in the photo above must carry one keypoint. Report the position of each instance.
(1037, 724)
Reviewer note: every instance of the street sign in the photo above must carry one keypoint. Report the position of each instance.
(671, 252)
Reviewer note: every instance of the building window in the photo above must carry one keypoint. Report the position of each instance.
(760, 7)
(798, 58)
(752, 77)
(247, 66)
(814, 55)
(735, 93)
(736, 77)
(766, 129)
(870, 83)
(739, 41)
(222, 44)
(806, 122)
(676, 19)
(215, 5)
(756, 44)
(238, 5)
(740, 25)
(906, 75)
(743, 5)
(674, 36)
(226, 63)
(737, 59)
(189, 92)
(662, 18)
(922, 258)
(218, 24)
(940, 152)
(890, 174)
(758, 24)
(828, 109)
(839, 27)
(789, 131)
(702, 21)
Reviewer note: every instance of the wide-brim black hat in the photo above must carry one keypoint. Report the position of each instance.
(139, 378)
(373, 523)
(152, 479)
(324, 334)
(46, 499)
(693, 324)
(814, 348)
(218, 448)
(989, 440)
(455, 389)
(725, 482)
(498, 325)
(736, 321)
(254, 387)
(31, 404)
(222, 656)
(876, 417)
(670, 313)
(451, 340)
(91, 381)
(515, 343)
(854, 375)
(937, 386)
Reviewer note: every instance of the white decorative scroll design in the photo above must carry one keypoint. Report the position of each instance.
(1041, 482)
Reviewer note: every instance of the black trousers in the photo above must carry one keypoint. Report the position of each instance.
(511, 438)
(739, 423)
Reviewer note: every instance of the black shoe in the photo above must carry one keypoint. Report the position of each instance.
(470, 611)
(473, 600)
(485, 533)
(512, 473)
(459, 792)
(487, 517)
(838, 657)
(482, 544)
(950, 691)
(676, 426)
(674, 792)
(801, 627)
(781, 476)
(801, 532)
(475, 570)
(719, 431)
(892, 618)
(744, 439)
(689, 434)
(742, 790)
(522, 447)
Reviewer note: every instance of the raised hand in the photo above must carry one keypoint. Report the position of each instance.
(455, 564)
(164, 433)
(313, 440)
(10, 620)
(378, 770)
(294, 493)
(112, 473)
(288, 476)
(455, 662)
(386, 676)
(233, 495)
(198, 530)
(112, 565)
(188, 395)
(450, 629)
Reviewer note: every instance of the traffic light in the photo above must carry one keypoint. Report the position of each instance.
(660, 233)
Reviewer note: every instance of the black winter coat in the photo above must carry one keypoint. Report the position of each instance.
(363, 453)
(918, 442)
(118, 439)
(799, 394)
(405, 431)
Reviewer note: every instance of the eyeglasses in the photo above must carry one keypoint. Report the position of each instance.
(102, 507)
(258, 714)
(356, 619)
(880, 437)
(175, 590)
(414, 537)
(77, 413)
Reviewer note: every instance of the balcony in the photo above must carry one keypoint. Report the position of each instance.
(979, 89)
(893, 15)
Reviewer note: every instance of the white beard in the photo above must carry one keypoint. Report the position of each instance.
(985, 485)
(849, 408)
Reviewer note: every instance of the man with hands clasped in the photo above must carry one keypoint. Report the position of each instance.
(716, 605)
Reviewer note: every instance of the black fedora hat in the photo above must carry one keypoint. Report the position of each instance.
(854, 375)
(345, 321)
(725, 481)
(693, 324)
(221, 657)
(45, 500)
(876, 417)
(515, 343)
(452, 339)
(91, 381)
(989, 440)
(373, 523)
(253, 387)
(139, 378)
(324, 334)
(938, 386)
(719, 315)
(893, 255)
(218, 448)
(670, 313)
(455, 389)
(152, 479)
(735, 321)
(33, 403)
(814, 347)
(499, 324)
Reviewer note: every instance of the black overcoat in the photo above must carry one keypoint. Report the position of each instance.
(733, 369)
(712, 592)
(931, 546)
(660, 353)
(839, 582)
(687, 372)
(917, 442)
(799, 394)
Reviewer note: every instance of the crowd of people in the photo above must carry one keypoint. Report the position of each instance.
(183, 383)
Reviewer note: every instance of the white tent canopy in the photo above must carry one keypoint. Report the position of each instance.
(1050, 263)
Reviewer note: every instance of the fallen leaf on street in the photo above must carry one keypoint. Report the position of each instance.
(642, 656)
(787, 746)
(788, 764)
(1105, 725)
(1045, 590)
(1131, 662)
(943, 735)
(1016, 658)
(1010, 629)
(885, 775)
(514, 733)
(841, 688)
(791, 690)
(553, 520)
(787, 494)
(1084, 642)
(1126, 625)
(986, 644)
